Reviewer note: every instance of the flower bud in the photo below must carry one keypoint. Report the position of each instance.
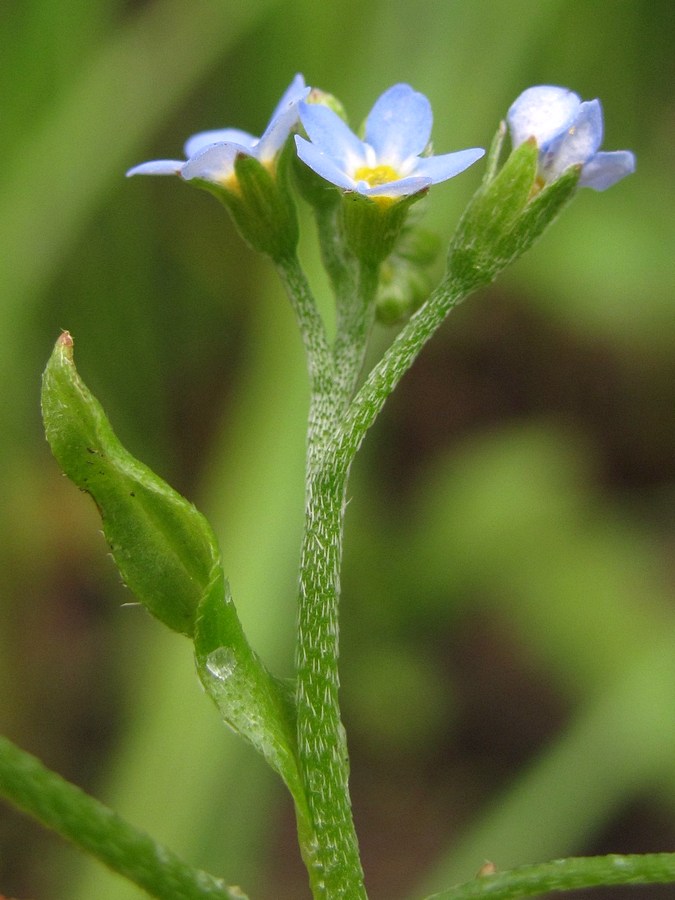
(508, 212)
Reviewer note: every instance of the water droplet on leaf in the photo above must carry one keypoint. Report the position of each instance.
(222, 663)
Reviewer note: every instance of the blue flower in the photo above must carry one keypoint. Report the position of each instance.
(568, 132)
(211, 154)
(388, 163)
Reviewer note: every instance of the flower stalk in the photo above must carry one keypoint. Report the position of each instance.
(322, 745)
(333, 859)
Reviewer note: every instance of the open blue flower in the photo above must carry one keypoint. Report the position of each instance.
(211, 154)
(388, 162)
(568, 132)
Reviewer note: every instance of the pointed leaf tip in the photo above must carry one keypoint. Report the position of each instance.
(164, 548)
(65, 340)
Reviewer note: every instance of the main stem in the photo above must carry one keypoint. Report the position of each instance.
(337, 424)
(336, 430)
(321, 737)
(322, 748)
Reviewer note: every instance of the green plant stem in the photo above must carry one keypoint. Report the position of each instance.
(337, 425)
(98, 830)
(354, 285)
(354, 325)
(335, 257)
(398, 358)
(566, 875)
(318, 352)
(321, 737)
(333, 859)
(309, 321)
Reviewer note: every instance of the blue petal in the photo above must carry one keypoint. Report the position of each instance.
(605, 169)
(332, 136)
(399, 125)
(215, 163)
(158, 167)
(542, 112)
(283, 120)
(203, 139)
(323, 165)
(578, 144)
(440, 168)
(294, 93)
(402, 187)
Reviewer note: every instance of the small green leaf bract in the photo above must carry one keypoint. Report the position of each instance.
(164, 548)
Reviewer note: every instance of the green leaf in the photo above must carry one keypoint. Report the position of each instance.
(565, 875)
(543, 209)
(251, 701)
(164, 548)
(168, 556)
(98, 830)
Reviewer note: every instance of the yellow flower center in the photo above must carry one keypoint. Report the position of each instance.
(375, 175)
(231, 183)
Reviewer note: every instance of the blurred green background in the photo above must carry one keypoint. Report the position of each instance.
(508, 658)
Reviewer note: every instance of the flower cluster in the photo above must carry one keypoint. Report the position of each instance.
(556, 139)
(568, 132)
(389, 162)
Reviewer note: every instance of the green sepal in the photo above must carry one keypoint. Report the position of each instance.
(260, 201)
(319, 97)
(545, 207)
(419, 246)
(164, 548)
(255, 704)
(371, 226)
(494, 154)
(399, 294)
(508, 212)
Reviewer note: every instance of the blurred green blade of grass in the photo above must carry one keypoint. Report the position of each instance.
(621, 743)
(69, 157)
(207, 795)
(46, 42)
(610, 266)
(511, 513)
(509, 519)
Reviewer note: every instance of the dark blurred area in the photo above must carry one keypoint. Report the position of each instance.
(508, 649)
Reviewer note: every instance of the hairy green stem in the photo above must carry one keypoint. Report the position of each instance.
(397, 360)
(354, 325)
(338, 422)
(566, 875)
(98, 830)
(333, 860)
(337, 427)
(321, 737)
(336, 258)
(309, 321)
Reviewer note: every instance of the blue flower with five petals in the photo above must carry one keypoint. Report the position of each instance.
(388, 164)
(211, 154)
(568, 132)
